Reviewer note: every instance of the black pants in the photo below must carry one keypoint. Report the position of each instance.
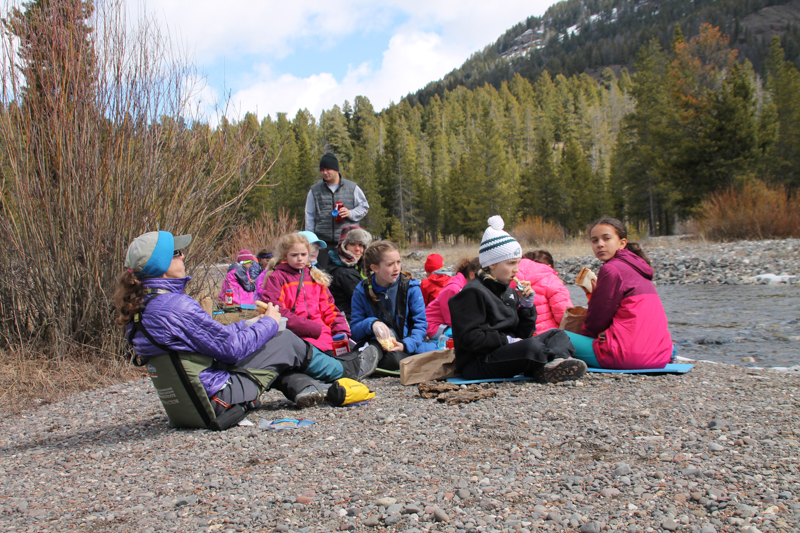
(284, 352)
(507, 362)
(389, 360)
(527, 357)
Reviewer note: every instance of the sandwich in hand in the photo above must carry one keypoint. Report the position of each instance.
(584, 280)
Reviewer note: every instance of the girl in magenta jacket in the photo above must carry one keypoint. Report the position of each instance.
(438, 311)
(310, 309)
(626, 326)
(552, 296)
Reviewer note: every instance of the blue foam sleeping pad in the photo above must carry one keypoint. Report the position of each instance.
(672, 368)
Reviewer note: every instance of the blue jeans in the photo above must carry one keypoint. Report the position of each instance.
(584, 349)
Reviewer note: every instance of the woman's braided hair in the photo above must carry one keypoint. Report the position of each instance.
(127, 297)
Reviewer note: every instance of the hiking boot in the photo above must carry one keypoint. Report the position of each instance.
(562, 370)
(368, 361)
(309, 397)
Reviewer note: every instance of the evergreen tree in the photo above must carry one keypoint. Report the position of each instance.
(783, 84)
(336, 137)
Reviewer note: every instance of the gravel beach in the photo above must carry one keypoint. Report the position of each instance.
(713, 450)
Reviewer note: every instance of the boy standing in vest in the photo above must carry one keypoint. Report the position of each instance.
(322, 201)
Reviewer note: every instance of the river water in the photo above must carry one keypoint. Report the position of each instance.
(732, 323)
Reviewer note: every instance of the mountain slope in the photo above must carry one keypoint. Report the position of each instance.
(577, 36)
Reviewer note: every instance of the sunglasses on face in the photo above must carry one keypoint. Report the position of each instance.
(177, 253)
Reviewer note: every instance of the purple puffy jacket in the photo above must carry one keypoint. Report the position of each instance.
(178, 322)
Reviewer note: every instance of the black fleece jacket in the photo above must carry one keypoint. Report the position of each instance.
(483, 314)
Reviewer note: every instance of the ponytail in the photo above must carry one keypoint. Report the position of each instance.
(127, 297)
(635, 248)
(320, 277)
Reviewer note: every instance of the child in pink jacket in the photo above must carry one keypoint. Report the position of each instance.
(308, 305)
(626, 326)
(438, 311)
(552, 296)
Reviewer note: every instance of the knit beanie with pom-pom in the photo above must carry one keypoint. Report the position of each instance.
(497, 245)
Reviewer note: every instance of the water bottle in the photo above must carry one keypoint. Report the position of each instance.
(340, 344)
(228, 296)
(446, 340)
(442, 344)
(335, 212)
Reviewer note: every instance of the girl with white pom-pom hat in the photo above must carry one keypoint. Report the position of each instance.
(493, 323)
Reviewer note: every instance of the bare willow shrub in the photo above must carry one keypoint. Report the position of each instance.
(263, 232)
(100, 142)
(536, 231)
(752, 211)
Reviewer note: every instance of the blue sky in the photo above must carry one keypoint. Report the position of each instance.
(270, 56)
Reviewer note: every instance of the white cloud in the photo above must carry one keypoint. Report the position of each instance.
(433, 38)
(412, 60)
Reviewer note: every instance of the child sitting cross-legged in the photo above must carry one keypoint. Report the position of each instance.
(392, 299)
(493, 323)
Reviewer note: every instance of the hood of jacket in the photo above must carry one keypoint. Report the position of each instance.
(533, 271)
(284, 267)
(636, 262)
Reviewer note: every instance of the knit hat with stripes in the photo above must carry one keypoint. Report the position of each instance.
(497, 245)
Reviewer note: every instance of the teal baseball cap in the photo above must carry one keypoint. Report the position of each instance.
(312, 238)
(150, 254)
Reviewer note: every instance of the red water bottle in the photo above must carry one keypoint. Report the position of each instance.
(228, 296)
(340, 344)
(449, 343)
(336, 209)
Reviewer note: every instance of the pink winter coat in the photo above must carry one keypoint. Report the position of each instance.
(316, 318)
(438, 312)
(260, 285)
(552, 296)
(626, 317)
(240, 296)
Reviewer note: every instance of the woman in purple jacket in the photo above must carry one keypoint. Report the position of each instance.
(155, 276)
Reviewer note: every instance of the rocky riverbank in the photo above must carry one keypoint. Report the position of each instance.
(713, 450)
(687, 263)
(679, 261)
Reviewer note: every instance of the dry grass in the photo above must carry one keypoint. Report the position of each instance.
(452, 254)
(29, 380)
(754, 211)
(536, 231)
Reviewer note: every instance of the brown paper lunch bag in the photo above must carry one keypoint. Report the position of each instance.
(428, 366)
(573, 319)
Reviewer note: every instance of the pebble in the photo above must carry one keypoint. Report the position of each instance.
(440, 515)
(669, 524)
(386, 502)
(591, 527)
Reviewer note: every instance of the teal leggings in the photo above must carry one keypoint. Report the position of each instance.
(584, 349)
(324, 367)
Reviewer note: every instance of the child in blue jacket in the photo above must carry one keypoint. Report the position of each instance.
(389, 298)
